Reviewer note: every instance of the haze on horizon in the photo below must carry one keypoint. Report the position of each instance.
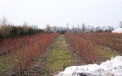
(61, 12)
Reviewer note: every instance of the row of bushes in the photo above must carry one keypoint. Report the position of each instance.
(87, 50)
(17, 31)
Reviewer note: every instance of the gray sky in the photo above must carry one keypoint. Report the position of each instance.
(61, 12)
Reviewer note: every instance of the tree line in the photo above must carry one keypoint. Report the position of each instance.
(10, 30)
(82, 28)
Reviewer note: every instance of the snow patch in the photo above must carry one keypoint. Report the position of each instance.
(119, 30)
(111, 67)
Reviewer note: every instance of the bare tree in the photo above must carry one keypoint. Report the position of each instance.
(73, 28)
(110, 28)
(48, 28)
(120, 24)
(55, 28)
(91, 29)
(25, 26)
(67, 27)
(78, 28)
(4, 21)
(5, 27)
(83, 28)
(34, 26)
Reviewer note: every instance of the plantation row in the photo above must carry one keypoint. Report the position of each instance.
(33, 51)
(84, 48)
(100, 35)
(12, 44)
(25, 50)
(110, 40)
(88, 45)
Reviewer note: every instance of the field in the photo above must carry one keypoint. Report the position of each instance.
(45, 54)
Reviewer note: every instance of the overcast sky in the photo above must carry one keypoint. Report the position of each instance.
(61, 12)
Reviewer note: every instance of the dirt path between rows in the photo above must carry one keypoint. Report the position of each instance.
(56, 58)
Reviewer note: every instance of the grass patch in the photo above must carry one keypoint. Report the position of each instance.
(59, 58)
(6, 65)
(106, 53)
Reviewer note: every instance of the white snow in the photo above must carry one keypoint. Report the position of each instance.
(119, 30)
(111, 67)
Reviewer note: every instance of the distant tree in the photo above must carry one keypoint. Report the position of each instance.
(73, 28)
(21, 31)
(67, 27)
(31, 31)
(4, 21)
(90, 28)
(5, 28)
(97, 28)
(63, 31)
(10, 30)
(120, 24)
(25, 26)
(34, 26)
(40, 30)
(1, 36)
(48, 28)
(54, 28)
(110, 29)
(14, 31)
(83, 28)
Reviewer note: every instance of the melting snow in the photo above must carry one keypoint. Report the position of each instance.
(111, 67)
(119, 30)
